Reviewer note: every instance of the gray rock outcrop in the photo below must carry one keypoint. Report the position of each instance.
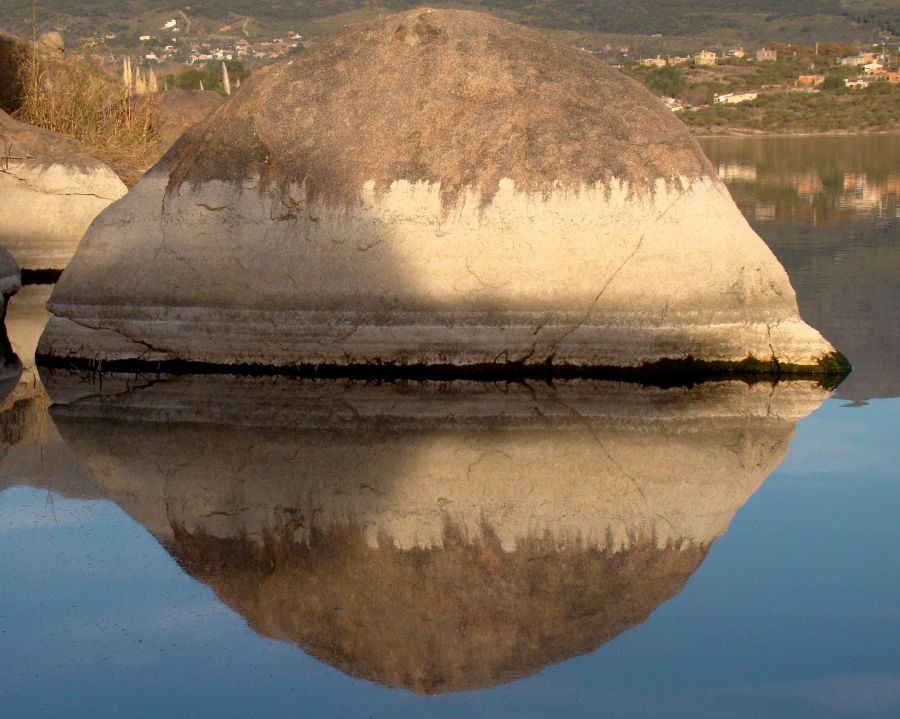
(432, 188)
(12, 53)
(50, 193)
(10, 279)
(10, 283)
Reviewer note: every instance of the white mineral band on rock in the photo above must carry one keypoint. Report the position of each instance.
(239, 274)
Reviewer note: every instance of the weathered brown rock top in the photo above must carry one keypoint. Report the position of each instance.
(179, 109)
(453, 97)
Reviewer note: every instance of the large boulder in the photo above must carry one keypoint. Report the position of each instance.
(433, 537)
(432, 187)
(15, 55)
(51, 193)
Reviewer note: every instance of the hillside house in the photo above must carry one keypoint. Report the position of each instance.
(891, 76)
(673, 104)
(872, 68)
(863, 58)
(705, 57)
(653, 62)
(765, 54)
(735, 98)
(809, 80)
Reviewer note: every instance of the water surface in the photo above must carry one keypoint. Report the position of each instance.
(829, 207)
(231, 548)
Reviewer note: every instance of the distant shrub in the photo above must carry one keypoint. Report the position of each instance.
(209, 77)
(666, 80)
(833, 82)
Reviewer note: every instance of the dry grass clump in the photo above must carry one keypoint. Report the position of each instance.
(79, 100)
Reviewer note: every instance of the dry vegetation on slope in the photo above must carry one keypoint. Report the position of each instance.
(81, 101)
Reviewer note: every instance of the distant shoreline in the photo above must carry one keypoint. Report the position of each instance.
(749, 133)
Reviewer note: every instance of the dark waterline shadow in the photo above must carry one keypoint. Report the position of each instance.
(40, 277)
(688, 372)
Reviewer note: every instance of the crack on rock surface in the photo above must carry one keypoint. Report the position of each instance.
(589, 311)
(53, 193)
(149, 348)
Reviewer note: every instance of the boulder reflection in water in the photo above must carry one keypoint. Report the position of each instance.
(435, 537)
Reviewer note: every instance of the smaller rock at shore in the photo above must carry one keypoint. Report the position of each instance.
(51, 193)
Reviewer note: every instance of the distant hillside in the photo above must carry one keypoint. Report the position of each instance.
(883, 13)
(673, 23)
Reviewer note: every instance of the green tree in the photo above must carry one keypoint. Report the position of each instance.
(833, 82)
(666, 80)
(210, 76)
(190, 79)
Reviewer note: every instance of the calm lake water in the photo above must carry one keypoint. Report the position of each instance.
(257, 548)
